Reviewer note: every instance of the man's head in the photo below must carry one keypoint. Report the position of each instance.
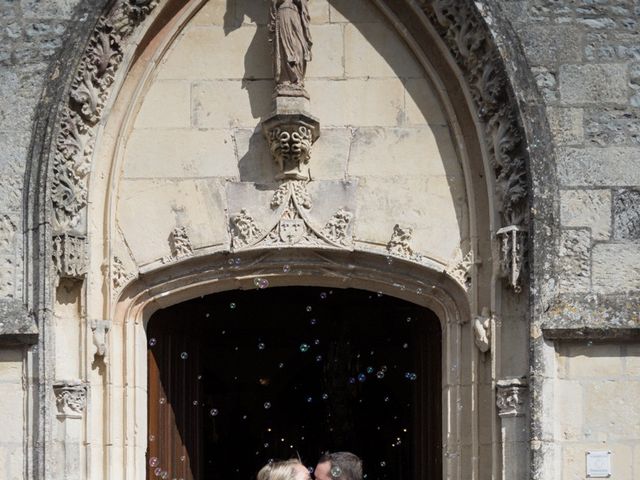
(339, 466)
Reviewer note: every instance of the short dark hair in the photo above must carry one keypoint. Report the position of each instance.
(350, 465)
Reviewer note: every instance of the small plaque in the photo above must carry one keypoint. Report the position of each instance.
(598, 464)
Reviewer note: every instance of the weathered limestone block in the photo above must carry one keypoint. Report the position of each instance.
(616, 267)
(331, 63)
(599, 166)
(574, 261)
(592, 84)
(167, 104)
(566, 125)
(609, 410)
(548, 44)
(626, 215)
(606, 127)
(587, 208)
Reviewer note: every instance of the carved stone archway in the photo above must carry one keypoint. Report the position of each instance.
(487, 101)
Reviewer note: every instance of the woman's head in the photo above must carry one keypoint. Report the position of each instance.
(285, 470)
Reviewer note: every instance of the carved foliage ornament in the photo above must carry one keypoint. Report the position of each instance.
(460, 25)
(89, 93)
(511, 397)
(71, 398)
(295, 226)
(69, 255)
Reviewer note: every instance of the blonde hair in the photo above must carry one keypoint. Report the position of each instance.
(283, 470)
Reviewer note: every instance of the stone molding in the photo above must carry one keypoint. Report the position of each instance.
(71, 398)
(74, 142)
(511, 397)
(464, 31)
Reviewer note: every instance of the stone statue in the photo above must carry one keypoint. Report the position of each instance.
(291, 42)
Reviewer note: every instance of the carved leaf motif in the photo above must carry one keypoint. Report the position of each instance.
(337, 227)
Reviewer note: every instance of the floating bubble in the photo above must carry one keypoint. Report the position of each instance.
(309, 399)
(389, 260)
(318, 358)
(304, 347)
(309, 308)
(369, 370)
(352, 380)
(410, 376)
(405, 345)
(380, 374)
(214, 412)
(286, 268)
(379, 294)
(152, 342)
(162, 401)
(362, 377)
(419, 291)
(207, 315)
(281, 365)
(230, 261)
(244, 417)
(325, 396)
(183, 458)
(184, 355)
(267, 405)
(153, 462)
(152, 438)
(261, 346)
(316, 341)
(313, 321)
(164, 474)
(266, 445)
(383, 464)
(195, 403)
(386, 399)
(237, 261)
(261, 283)
(383, 368)
(310, 470)
(323, 295)
(157, 471)
(335, 471)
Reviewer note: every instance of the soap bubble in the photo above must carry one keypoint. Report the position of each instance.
(389, 260)
(183, 458)
(152, 438)
(267, 405)
(184, 355)
(214, 412)
(261, 346)
(232, 306)
(323, 295)
(153, 462)
(405, 345)
(230, 261)
(410, 376)
(325, 396)
(352, 380)
(281, 365)
(316, 341)
(408, 319)
(318, 358)
(237, 261)
(195, 403)
(380, 374)
(304, 347)
(157, 471)
(369, 370)
(335, 471)
(309, 308)
(286, 268)
(309, 399)
(261, 283)
(386, 399)
(162, 401)
(164, 474)
(152, 342)
(313, 321)
(362, 377)
(383, 464)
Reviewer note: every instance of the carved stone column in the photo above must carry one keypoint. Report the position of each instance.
(512, 403)
(71, 400)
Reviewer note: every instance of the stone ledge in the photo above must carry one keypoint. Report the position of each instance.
(593, 317)
(17, 326)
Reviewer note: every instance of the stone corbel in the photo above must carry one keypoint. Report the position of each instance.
(291, 132)
(512, 249)
(482, 325)
(511, 397)
(100, 329)
(71, 398)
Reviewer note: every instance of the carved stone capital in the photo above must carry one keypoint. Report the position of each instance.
(512, 248)
(69, 255)
(511, 397)
(290, 136)
(71, 398)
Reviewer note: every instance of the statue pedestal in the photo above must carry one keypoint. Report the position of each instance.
(291, 131)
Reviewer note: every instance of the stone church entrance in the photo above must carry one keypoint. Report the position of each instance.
(242, 377)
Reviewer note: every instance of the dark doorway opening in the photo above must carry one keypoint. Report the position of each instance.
(242, 377)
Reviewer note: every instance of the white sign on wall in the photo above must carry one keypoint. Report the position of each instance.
(598, 464)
